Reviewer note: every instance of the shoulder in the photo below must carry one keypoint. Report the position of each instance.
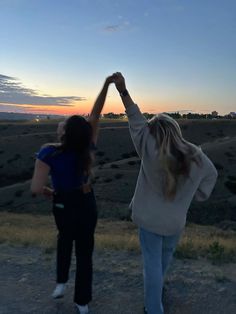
(48, 148)
(208, 164)
(46, 151)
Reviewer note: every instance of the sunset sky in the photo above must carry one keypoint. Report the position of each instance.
(176, 55)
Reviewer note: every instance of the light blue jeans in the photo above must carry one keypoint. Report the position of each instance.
(157, 251)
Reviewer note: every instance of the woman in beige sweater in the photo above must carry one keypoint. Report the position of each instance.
(173, 171)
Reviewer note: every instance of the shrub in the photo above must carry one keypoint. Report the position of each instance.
(125, 155)
(218, 166)
(8, 203)
(99, 153)
(186, 250)
(131, 162)
(227, 225)
(231, 186)
(49, 250)
(118, 175)
(102, 162)
(221, 278)
(114, 166)
(232, 178)
(217, 253)
(134, 153)
(93, 181)
(229, 154)
(17, 156)
(107, 180)
(19, 193)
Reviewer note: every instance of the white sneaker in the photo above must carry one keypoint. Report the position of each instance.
(59, 291)
(83, 309)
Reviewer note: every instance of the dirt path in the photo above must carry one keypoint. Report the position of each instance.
(192, 287)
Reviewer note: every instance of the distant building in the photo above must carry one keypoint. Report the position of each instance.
(232, 115)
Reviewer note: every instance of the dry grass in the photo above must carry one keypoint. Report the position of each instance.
(119, 235)
(207, 241)
(25, 229)
(197, 241)
(203, 236)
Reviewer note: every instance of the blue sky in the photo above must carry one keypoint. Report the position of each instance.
(175, 54)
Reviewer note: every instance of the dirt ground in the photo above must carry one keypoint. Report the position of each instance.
(192, 286)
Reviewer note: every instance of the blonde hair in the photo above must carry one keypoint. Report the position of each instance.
(175, 153)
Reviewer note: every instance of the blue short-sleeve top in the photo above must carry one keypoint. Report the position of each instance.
(65, 168)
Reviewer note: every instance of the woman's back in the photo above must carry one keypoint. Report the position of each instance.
(65, 167)
(150, 207)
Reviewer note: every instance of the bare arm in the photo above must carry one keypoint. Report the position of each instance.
(40, 177)
(98, 106)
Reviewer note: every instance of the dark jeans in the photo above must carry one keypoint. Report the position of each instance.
(75, 216)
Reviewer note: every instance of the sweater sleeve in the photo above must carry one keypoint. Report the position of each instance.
(208, 181)
(138, 127)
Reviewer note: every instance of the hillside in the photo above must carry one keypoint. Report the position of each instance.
(20, 142)
(117, 168)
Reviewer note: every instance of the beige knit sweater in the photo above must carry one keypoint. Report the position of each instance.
(150, 210)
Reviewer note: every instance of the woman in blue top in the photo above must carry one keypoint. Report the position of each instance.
(74, 207)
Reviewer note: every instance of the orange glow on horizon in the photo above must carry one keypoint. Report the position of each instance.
(83, 107)
(79, 108)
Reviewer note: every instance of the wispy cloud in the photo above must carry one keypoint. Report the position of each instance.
(12, 91)
(112, 28)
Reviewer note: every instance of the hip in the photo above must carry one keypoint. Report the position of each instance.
(75, 203)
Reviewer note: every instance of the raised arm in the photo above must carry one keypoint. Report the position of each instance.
(98, 106)
(121, 87)
(138, 124)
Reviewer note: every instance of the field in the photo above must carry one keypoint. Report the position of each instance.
(206, 253)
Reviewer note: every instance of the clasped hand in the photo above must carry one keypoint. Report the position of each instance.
(119, 81)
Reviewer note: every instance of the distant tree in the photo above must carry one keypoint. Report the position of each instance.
(112, 115)
(197, 116)
(148, 115)
(214, 114)
(175, 115)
